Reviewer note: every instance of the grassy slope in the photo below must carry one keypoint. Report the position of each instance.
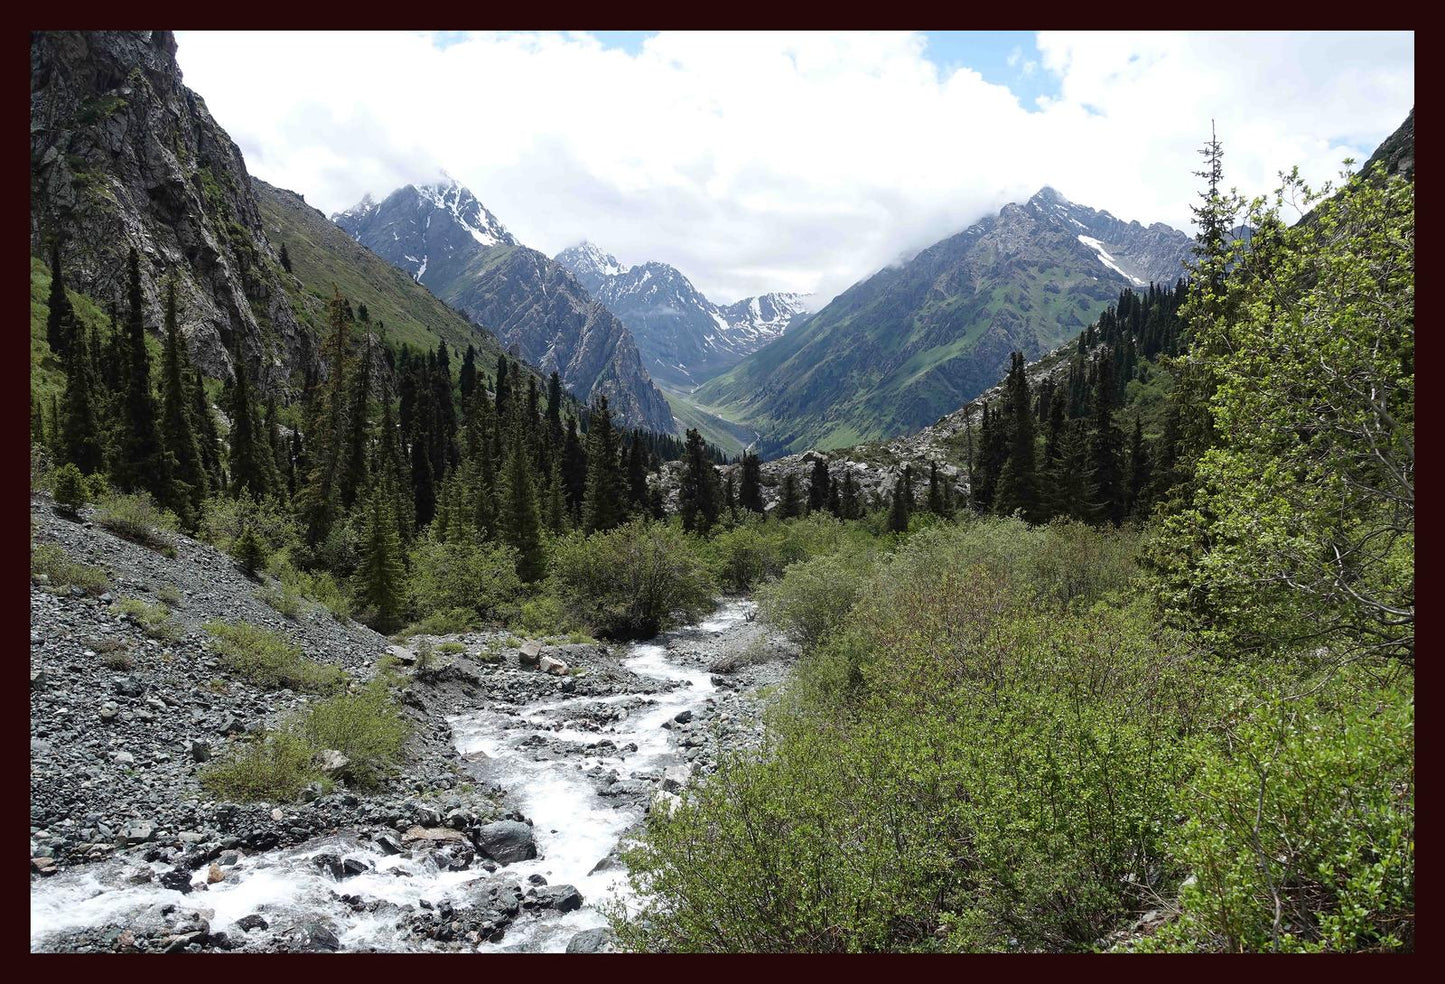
(718, 431)
(322, 255)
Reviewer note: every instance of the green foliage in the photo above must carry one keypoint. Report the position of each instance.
(365, 727)
(276, 767)
(249, 552)
(813, 597)
(1299, 828)
(284, 598)
(630, 582)
(137, 518)
(447, 575)
(154, 620)
(51, 560)
(542, 615)
(269, 661)
(442, 623)
(69, 488)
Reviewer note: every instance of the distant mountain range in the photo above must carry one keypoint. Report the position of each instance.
(685, 339)
(450, 243)
(915, 341)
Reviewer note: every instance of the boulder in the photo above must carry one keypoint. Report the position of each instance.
(530, 653)
(553, 665)
(598, 940)
(438, 834)
(563, 898)
(253, 921)
(505, 841)
(330, 760)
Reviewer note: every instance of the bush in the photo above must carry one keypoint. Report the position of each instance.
(441, 623)
(1300, 830)
(276, 767)
(137, 518)
(319, 586)
(154, 620)
(51, 560)
(268, 661)
(69, 489)
(813, 597)
(224, 520)
(364, 727)
(447, 575)
(542, 615)
(283, 598)
(630, 582)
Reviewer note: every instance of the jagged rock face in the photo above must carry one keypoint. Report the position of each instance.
(916, 340)
(685, 339)
(123, 155)
(446, 240)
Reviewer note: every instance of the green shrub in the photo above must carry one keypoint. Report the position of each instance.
(319, 586)
(283, 598)
(269, 661)
(364, 727)
(69, 489)
(154, 620)
(542, 615)
(224, 520)
(249, 552)
(442, 623)
(813, 597)
(451, 647)
(1299, 830)
(447, 575)
(137, 518)
(61, 571)
(630, 582)
(119, 660)
(169, 596)
(275, 767)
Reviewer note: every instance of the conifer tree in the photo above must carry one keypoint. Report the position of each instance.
(935, 490)
(898, 511)
(60, 322)
(697, 496)
(353, 472)
(176, 426)
(423, 482)
(141, 461)
(790, 502)
(320, 499)
(208, 436)
(380, 580)
(555, 514)
(1017, 488)
(818, 486)
(574, 469)
(750, 496)
(1138, 479)
(1106, 451)
(849, 506)
(467, 381)
(520, 519)
(602, 501)
(252, 463)
(81, 436)
(637, 493)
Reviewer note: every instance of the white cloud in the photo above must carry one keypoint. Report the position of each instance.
(757, 162)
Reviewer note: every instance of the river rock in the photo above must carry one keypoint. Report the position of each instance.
(553, 665)
(253, 921)
(563, 898)
(598, 940)
(530, 654)
(438, 834)
(506, 841)
(331, 760)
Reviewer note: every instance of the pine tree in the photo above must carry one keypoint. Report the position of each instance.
(602, 502)
(790, 503)
(750, 496)
(176, 426)
(637, 493)
(697, 497)
(208, 436)
(818, 486)
(898, 511)
(1106, 451)
(380, 580)
(935, 490)
(574, 469)
(80, 429)
(1017, 488)
(1138, 479)
(849, 506)
(468, 378)
(60, 322)
(141, 461)
(353, 472)
(520, 519)
(252, 464)
(285, 259)
(320, 499)
(423, 482)
(556, 509)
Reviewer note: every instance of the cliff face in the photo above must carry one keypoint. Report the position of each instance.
(123, 155)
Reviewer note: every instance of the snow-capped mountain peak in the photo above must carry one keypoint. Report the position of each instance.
(590, 264)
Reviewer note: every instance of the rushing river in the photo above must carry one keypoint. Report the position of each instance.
(574, 827)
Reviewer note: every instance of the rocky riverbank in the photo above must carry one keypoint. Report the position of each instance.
(524, 760)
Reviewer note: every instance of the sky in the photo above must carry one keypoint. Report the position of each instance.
(803, 162)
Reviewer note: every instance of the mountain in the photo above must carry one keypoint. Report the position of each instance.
(685, 339)
(322, 255)
(916, 340)
(122, 156)
(450, 243)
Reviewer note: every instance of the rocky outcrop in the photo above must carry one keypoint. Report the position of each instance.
(123, 155)
(448, 242)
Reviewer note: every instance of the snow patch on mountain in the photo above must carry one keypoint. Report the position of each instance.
(1107, 259)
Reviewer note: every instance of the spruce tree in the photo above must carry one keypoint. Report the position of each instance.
(697, 496)
(81, 439)
(141, 461)
(353, 472)
(935, 490)
(520, 519)
(637, 494)
(422, 481)
(750, 496)
(208, 436)
(285, 259)
(1106, 451)
(1017, 487)
(60, 322)
(574, 469)
(818, 486)
(252, 463)
(1138, 478)
(790, 503)
(898, 511)
(602, 501)
(176, 426)
(380, 580)
(320, 499)
(467, 381)
(849, 507)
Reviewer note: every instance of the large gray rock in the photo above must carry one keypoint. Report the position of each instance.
(592, 941)
(506, 841)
